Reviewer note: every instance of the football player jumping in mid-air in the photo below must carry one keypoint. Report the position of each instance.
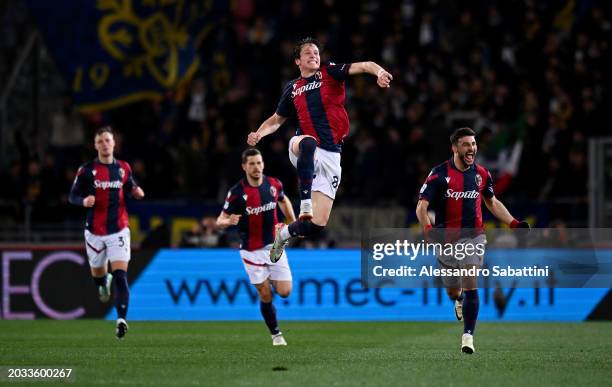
(316, 98)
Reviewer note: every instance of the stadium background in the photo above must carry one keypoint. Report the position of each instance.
(530, 77)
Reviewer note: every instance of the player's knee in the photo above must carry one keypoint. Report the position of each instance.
(98, 271)
(308, 145)
(283, 291)
(265, 295)
(119, 265)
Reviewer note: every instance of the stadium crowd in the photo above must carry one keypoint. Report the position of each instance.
(530, 77)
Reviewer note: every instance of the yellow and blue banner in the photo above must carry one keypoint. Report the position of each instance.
(114, 52)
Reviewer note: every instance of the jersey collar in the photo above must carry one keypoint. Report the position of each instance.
(246, 183)
(97, 160)
(452, 163)
(312, 76)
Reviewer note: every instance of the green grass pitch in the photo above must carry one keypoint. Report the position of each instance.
(330, 354)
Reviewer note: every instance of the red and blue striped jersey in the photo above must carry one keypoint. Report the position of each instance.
(257, 205)
(108, 183)
(456, 196)
(318, 104)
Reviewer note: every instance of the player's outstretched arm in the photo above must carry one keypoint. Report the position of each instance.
(269, 126)
(383, 78)
(287, 209)
(500, 211)
(226, 220)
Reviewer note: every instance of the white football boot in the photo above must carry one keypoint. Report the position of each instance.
(459, 310)
(104, 292)
(467, 343)
(122, 328)
(278, 247)
(278, 339)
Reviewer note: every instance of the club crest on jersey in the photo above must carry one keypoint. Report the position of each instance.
(93, 172)
(478, 179)
(273, 191)
(245, 196)
(121, 172)
(318, 75)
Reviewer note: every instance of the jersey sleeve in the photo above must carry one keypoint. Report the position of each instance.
(338, 71)
(78, 191)
(130, 182)
(433, 186)
(488, 191)
(281, 191)
(285, 106)
(234, 204)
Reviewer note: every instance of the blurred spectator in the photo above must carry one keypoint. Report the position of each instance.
(67, 134)
(204, 234)
(533, 81)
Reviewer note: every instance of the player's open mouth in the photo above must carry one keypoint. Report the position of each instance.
(469, 157)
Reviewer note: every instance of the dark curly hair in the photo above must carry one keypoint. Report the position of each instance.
(461, 132)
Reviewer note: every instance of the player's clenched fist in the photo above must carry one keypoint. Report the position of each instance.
(233, 219)
(89, 201)
(384, 78)
(138, 193)
(253, 138)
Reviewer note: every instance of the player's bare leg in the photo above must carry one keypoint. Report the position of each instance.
(304, 148)
(322, 206)
(268, 311)
(282, 288)
(471, 305)
(314, 213)
(122, 295)
(103, 281)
